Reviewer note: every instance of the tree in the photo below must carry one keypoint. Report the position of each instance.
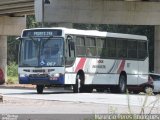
(12, 49)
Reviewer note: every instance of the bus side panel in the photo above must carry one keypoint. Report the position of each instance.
(95, 79)
(70, 78)
(143, 71)
(71, 72)
(131, 68)
(101, 71)
(105, 79)
(97, 71)
(132, 79)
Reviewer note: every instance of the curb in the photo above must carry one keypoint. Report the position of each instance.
(18, 86)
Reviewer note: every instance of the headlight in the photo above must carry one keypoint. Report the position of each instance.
(56, 75)
(22, 75)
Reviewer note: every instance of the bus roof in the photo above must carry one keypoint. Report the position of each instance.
(95, 33)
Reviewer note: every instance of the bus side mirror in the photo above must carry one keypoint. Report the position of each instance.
(69, 38)
(19, 38)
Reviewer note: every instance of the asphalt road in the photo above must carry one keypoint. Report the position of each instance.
(59, 94)
(60, 101)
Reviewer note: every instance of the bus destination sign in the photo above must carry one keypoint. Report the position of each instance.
(42, 33)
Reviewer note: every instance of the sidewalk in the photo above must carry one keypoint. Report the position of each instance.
(29, 86)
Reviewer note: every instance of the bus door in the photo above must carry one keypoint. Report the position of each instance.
(70, 50)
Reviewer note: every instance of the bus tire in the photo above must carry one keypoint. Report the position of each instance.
(40, 89)
(77, 88)
(122, 84)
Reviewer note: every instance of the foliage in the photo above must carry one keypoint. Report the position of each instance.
(12, 69)
(12, 73)
(31, 22)
(12, 49)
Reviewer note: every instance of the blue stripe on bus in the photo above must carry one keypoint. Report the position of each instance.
(27, 80)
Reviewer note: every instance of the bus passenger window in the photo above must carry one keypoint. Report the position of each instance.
(90, 46)
(121, 48)
(88, 52)
(111, 45)
(142, 50)
(132, 49)
(102, 51)
(80, 46)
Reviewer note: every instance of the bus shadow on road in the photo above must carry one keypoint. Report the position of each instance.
(35, 93)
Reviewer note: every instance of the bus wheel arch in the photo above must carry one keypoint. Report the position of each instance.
(122, 85)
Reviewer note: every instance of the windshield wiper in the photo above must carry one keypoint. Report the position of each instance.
(45, 41)
(36, 42)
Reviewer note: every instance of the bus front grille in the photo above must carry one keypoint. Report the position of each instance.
(38, 75)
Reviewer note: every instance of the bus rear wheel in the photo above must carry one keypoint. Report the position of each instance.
(40, 89)
(121, 87)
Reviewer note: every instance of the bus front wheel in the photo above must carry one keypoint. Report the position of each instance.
(122, 84)
(40, 89)
(78, 87)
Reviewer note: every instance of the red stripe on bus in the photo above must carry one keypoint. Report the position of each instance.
(80, 64)
(121, 67)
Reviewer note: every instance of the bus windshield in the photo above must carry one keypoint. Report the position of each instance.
(38, 52)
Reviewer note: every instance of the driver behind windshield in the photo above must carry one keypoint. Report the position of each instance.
(51, 55)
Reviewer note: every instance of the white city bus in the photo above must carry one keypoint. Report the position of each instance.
(84, 59)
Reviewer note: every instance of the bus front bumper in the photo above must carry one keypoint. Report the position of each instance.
(41, 81)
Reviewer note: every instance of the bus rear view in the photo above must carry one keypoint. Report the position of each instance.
(41, 58)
